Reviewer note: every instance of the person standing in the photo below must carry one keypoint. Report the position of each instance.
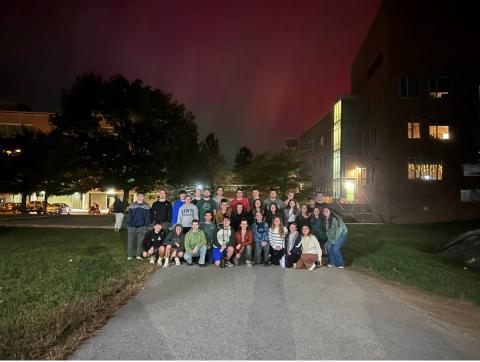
(195, 244)
(177, 205)
(257, 207)
(317, 222)
(161, 210)
(290, 196)
(186, 214)
(255, 196)
(311, 204)
(223, 246)
(205, 204)
(243, 244)
(303, 218)
(293, 246)
(238, 215)
(176, 239)
(197, 196)
(119, 211)
(272, 213)
(260, 236)
(311, 251)
(218, 197)
(291, 212)
(223, 211)
(320, 200)
(138, 220)
(276, 236)
(154, 245)
(337, 234)
(273, 199)
(240, 199)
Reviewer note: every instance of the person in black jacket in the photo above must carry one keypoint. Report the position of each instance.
(161, 210)
(238, 215)
(119, 211)
(293, 245)
(154, 245)
(272, 213)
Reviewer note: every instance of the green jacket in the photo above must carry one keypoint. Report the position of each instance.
(318, 228)
(336, 230)
(194, 239)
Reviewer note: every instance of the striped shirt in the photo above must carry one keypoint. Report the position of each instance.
(276, 238)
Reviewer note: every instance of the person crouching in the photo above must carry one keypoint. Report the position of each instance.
(153, 247)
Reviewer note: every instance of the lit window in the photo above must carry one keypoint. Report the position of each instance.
(337, 126)
(413, 130)
(421, 169)
(439, 132)
(363, 174)
(438, 87)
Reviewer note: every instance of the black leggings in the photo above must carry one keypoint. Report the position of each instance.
(276, 255)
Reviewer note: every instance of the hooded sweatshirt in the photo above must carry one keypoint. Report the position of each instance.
(310, 245)
(172, 239)
(335, 230)
(175, 208)
(224, 237)
(186, 214)
(138, 215)
(194, 239)
(154, 239)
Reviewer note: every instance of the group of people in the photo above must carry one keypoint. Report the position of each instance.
(232, 232)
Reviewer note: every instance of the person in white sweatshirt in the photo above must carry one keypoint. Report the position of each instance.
(311, 250)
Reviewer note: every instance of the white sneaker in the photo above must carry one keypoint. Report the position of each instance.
(249, 264)
(159, 262)
(341, 267)
(329, 265)
(166, 265)
(129, 258)
(139, 258)
(294, 265)
(152, 260)
(177, 261)
(312, 267)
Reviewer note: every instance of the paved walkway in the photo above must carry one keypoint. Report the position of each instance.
(270, 313)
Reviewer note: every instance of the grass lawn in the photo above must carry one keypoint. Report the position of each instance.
(406, 253)
(57, 285)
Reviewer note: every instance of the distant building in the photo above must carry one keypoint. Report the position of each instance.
(416, 79)
(316, 145)
(291, 143)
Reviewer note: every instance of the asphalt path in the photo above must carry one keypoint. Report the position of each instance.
(60, 221)
(271, 313)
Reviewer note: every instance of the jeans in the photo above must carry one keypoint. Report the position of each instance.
(247, 251)
(258, 253)
(138, 234)
(118, 220)
(202, 251)
(334, 255)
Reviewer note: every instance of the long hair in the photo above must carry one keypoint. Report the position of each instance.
(281, 226)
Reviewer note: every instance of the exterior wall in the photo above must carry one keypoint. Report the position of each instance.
(318, 155)
(412, 46)
(9, 120)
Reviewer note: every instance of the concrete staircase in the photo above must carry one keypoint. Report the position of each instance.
(358, 213)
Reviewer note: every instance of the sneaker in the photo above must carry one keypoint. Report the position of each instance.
(159, 262)
(294, 265)
(202, 265)
(312, 267)
(236, 262)
(341, 267)
(152, 260)
(177, 261)
(129, 258)
(139, 258)
(166, 264)
(229, 264)
(189, 264)
(249, 264)
(329, 266)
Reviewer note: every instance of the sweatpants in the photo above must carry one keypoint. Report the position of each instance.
(306, 261)
(118, 220)
(135, 234)
(258, 253)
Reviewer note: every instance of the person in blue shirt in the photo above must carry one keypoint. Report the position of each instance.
(177, 205)
(260, 238)
(138, 220)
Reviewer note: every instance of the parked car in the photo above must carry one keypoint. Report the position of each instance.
(11, 207)
(59, 208)
(35, 206)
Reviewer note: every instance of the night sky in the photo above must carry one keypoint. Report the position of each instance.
(253, 72)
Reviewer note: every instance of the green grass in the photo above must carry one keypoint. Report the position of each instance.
(54, 282)
(406, 253)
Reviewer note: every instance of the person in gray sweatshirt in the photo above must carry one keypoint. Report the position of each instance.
(186, 214)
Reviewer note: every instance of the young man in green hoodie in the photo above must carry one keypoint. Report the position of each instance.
(195, 244)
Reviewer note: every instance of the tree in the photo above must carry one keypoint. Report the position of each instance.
(284, 170)
(211, 161)
(129, 135)
(243, 158)
(33, 161)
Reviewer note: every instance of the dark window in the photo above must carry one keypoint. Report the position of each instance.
(375, 65)
(409, 87)
(438, 87)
